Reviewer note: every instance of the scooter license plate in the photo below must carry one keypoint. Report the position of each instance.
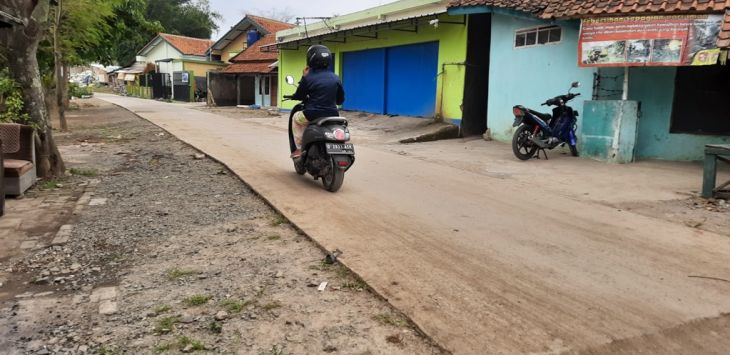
(518, 121)
(340, 148)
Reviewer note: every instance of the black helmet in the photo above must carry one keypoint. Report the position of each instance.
(319, 57)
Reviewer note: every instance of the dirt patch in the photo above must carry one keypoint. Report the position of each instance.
(174, 254)
(695, 212)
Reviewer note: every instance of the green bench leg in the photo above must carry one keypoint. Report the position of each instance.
(710, 175)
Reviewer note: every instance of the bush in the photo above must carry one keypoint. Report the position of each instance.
(74, 90)
(11, 100)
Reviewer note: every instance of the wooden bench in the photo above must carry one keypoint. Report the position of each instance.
(713, 153)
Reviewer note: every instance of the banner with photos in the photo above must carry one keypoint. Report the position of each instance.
(682, 40)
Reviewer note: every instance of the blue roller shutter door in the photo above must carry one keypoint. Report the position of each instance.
(396, 81)
(363, 76)
(411, 80)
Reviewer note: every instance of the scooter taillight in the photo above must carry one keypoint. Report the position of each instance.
(339, 134)
(518, 112)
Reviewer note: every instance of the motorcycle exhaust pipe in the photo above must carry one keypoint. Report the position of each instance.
(539, 143)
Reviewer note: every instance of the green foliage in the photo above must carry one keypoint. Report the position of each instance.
(130, 31)
(165, 325)
(215, 327)
(174, 274)
(11, 101)
(195, 345)
(135, 22)
(84, 172)
(235, 306)
(75, 90)
(84, 26)
(196, 300)
(162, 309)
(184, 17)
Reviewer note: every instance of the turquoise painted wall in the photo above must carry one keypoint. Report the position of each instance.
(653, 87)
(529, 76)
(452, 48)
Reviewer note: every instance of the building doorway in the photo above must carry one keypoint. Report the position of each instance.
(476, 83)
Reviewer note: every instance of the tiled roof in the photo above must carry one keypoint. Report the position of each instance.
(188, 45)
(254, 52)
(531, 6)
(579, 8)
(591, 8)
(724, 39)
(272, 26)
(250, 67)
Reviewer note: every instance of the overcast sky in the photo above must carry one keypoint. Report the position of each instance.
(233, 10)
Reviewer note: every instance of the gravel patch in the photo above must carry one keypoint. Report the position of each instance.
(177, 255)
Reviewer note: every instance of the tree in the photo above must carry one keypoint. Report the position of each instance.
(78, 29)
(129, 31)
(184, 17)
(21, 44)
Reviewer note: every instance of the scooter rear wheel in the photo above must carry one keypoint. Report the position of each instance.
(334, 178)
(522, 146)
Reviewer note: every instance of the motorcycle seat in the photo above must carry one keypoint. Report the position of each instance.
(543, 116)
(323, 120)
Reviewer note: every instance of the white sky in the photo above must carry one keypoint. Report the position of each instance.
(233, 10)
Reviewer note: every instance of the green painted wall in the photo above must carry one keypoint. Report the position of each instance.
(452, 48)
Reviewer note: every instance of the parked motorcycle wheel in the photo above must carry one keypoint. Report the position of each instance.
(334, 178)
(573, 150)
(523, 148)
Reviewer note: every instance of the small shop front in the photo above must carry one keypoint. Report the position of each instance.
(660, 89)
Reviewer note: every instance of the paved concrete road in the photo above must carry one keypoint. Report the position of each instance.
(481, 265)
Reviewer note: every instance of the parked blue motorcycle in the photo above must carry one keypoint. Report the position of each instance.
(540, 131)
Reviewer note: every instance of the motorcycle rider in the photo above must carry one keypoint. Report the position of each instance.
(320, 90)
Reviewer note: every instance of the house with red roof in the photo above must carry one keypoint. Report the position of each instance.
(250, 75)
(654, 73)
(181, 64)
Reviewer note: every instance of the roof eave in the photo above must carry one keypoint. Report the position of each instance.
(372, 16)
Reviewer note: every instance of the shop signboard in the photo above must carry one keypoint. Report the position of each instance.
(681, 40)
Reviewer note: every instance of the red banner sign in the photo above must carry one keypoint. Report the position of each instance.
(682, 40)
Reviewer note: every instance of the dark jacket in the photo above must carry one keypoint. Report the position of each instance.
(320, 91)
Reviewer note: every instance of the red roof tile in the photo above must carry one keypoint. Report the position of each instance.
(249, 68)
(188, 45)
(591, 8)
(272, 26)
(254, 52)
(581, 8)
(531, 6)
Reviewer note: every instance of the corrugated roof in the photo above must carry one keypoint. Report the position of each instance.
(394, 12)
(188, 45)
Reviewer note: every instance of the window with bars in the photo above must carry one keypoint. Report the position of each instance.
(538, 36)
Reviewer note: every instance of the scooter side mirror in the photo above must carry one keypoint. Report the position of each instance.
(290, 80)
(575, 84)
